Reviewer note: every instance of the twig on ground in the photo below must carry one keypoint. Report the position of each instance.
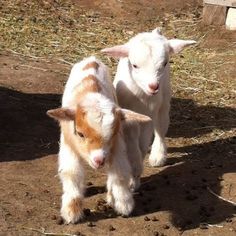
(66, 62)
(34, 67)
(47, 233)
(210, 225)
(21, 54)
(221, 198)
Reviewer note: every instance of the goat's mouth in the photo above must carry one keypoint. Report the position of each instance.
(95, 165)
(152, 92)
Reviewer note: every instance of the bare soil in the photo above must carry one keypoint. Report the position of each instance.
(173, 200)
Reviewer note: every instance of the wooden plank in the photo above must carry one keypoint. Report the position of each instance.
(214, 15)
(228, 3)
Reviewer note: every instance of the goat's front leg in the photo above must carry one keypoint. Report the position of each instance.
(119, 194)
(72, 177)
(158, 151)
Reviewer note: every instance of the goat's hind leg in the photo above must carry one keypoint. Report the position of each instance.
(119, 173)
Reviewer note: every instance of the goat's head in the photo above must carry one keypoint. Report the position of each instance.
(148, 57)
(91, 128)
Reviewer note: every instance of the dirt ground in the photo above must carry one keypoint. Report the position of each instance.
(38, 41)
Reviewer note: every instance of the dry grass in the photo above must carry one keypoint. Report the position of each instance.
(60, 30)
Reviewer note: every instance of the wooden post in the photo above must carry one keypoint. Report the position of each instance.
(214, 14)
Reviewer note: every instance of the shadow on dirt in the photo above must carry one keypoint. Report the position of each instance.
(189, 120)
(183, 189)
(186, 118)
(26, 131)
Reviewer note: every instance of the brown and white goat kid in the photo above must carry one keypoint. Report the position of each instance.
(92, 130)
(142, 81)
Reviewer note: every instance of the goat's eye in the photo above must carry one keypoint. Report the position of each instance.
(135, 66)
(80, 134)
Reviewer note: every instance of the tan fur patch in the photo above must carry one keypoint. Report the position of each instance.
(94, 139)
(91, 65)
(88, 84)
(76, 206)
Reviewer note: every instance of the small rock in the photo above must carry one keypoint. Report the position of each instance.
(54, 217)
(89, 184)
(60, 220)
(111, 228)
(154, 218)
(166, 226)
(228, 220)
(77, 233)
(146, 218)
(91, 224)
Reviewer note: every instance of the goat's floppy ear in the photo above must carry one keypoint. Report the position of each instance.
(177, 45)
(157, 31)
(62, 114)
(117, 51)
(127, 115)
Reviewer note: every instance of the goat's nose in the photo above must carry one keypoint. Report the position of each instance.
(99, 160)
(153, 86)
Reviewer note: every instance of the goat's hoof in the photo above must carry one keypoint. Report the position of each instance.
(73, 212)
(134, 184)
(157, 162)
(71, 218)
(124, 207)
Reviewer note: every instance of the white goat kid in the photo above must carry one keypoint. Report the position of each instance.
(142, 81)
(92, 130)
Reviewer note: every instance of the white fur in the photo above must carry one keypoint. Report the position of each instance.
(137, 131)
(144, 62)
(71, 173)
(70, 156)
